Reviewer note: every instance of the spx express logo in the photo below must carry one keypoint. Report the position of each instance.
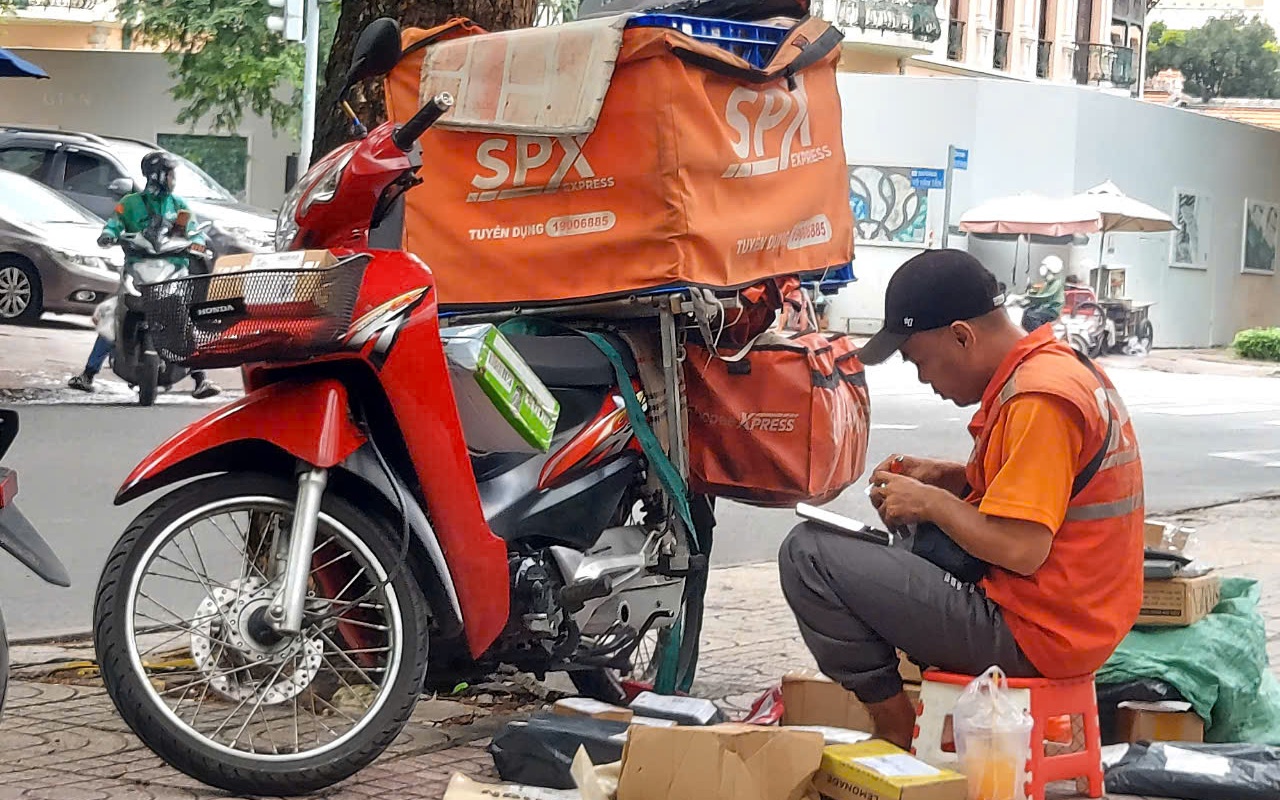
(772, 421)
(771, 131)
(517, 166)
(767, 421)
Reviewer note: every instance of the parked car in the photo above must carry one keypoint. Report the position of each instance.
(96, 171)
(49, 254)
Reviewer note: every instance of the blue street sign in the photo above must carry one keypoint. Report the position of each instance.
(961, 159)
(928, 179)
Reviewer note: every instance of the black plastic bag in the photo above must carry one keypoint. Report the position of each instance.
(933, 544)
(1111, 695)
(540, 752)
(1198, 771)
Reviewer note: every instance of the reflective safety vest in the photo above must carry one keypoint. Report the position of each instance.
(1069, 616)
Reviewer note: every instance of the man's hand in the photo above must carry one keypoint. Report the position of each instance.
(948, 475)
(901, 499)
(1016, 545)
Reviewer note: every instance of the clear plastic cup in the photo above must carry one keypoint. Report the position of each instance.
(993, 760)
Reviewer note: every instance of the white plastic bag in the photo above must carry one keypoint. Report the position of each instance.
(993, 738)
(104, 319)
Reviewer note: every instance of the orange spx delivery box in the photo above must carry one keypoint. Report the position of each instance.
(593, 159)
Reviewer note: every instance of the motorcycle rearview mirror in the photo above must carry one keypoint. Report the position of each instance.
(120, 186)
(377, 51)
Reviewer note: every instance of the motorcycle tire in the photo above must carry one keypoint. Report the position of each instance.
(149, 379)
(4, 665)
(178, 744)
(1146, 336)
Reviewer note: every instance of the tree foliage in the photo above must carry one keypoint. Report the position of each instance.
(367, 99)
(1164, 48)
(1227, 57)
(226, 62)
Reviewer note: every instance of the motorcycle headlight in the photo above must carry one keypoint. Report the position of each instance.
(319, 185)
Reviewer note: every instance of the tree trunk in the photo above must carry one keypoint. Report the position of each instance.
(332, 128)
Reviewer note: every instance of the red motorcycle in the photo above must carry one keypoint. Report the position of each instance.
(268, 627)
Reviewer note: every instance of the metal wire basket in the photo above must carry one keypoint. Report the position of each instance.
(231, 318)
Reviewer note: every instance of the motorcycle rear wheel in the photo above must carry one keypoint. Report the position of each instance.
(265, 766)
(607, 685)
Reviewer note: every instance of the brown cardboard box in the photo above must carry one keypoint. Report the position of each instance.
(719, 762)
(1178, 602)
(877, 770)
(1166, 537)
(810, 698)
(910, 672)
(231, 285)
(586, 707)
(1161, 721)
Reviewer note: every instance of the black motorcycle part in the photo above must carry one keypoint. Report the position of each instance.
(533, 586)
(574, 597)
(573, 514)
(149, 367)
(8, 429)
(21, 540)
(570, 362)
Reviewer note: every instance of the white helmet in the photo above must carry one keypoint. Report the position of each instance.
(1052, 265)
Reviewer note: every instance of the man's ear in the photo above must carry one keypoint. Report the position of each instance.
(964, 334)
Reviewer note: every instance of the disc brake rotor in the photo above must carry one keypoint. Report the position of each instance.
(239, 667)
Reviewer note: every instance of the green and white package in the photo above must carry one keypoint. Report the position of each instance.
(504, 407)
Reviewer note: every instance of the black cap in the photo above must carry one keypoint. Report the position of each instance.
(931, 291)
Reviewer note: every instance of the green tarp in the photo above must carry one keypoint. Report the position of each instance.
(1218, 664)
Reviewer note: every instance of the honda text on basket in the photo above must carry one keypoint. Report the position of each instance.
(492, 459)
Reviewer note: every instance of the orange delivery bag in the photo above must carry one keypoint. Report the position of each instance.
(783, 422)
(600, 158)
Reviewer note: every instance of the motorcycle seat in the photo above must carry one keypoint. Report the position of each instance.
(570, 361)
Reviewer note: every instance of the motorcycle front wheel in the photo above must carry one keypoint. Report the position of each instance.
(148, 378)
(194, 670)
(4, 665)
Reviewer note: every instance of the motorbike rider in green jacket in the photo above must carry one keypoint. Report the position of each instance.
(135, 213)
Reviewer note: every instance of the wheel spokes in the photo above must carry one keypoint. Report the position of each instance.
(212, 664)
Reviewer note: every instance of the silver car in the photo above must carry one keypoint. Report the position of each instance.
(49, 255)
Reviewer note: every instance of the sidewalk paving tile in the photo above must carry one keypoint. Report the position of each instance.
(67, 742)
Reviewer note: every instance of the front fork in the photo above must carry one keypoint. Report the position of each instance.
(287, 610)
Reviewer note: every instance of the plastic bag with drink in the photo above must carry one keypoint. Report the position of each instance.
(993, 738)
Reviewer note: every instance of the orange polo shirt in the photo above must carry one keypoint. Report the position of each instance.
(1068, 616)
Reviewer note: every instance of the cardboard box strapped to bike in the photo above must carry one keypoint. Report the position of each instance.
(604, 156)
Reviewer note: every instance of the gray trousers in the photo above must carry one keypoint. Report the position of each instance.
(856, 602)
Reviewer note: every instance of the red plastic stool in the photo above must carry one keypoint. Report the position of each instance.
(1046, 700)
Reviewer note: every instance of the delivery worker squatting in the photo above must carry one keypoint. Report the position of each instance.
(1064, 583)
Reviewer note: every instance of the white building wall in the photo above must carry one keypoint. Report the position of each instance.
(1059, 140)
(126, 93)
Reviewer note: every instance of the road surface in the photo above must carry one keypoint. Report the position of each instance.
(1205, 439)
